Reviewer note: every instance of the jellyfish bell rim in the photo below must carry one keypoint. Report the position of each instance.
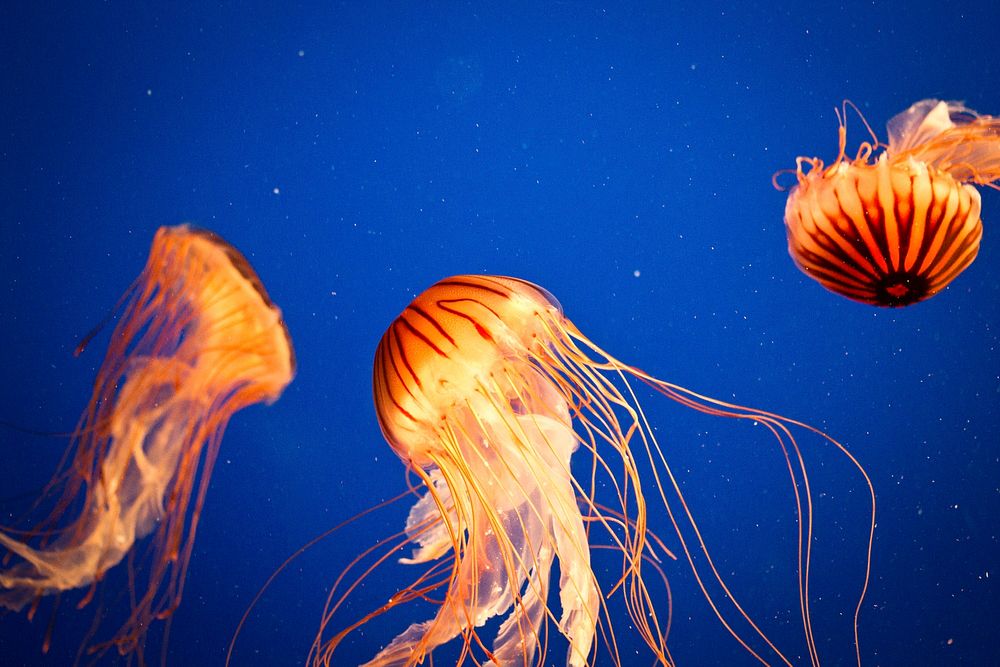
(547, 296)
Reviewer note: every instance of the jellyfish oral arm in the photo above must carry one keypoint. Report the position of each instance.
(123, 504)
(506, 520)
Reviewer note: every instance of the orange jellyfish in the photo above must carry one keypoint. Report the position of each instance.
(198, 340)
(486, 391)
(895, 229)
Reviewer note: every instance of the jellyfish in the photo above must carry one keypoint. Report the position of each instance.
(198, 340)
(487, 392)
(896, 229)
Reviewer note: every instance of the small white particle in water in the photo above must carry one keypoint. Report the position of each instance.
(149, 92)
(636, 273)
(276, 191)
(301, 53)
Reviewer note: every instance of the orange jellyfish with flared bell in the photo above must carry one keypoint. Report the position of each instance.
(486, 391)
(198, 340)
(896, 229)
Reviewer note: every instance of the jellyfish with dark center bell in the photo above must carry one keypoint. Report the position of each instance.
(896, 229)
(198, 340)
(486, 391)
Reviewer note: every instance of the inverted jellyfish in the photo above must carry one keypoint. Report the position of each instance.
(895, 227)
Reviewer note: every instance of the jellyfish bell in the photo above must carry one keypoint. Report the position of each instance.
(486, 391)
(463, 342)
(895, 227)
(198, 340)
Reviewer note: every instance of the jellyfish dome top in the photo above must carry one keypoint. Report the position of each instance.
(198, 339)
(486, 391)
(895, 226)
(451, 349)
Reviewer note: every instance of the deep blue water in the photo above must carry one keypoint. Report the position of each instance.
(619, 156)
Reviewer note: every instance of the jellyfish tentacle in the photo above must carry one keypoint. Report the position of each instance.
(485, 390)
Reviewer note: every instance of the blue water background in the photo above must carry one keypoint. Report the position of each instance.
(621, 156)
